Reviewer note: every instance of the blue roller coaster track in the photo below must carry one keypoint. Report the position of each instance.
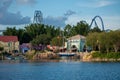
(94, 21)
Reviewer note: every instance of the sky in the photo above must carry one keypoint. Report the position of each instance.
(59, 13)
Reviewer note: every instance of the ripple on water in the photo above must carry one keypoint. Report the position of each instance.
(70, 70)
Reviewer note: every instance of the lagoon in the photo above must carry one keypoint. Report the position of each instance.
(59, 70)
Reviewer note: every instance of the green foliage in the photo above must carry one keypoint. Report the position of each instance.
(67, 30)
(111, 55)
(41, 39)
(105, 41)
(26, 38)
(115, 39)
(43, 34)
(57, 41)
(14, 32)
(32, 31)
(29, 55)
(10, 31)
(98, 55)
(1, 48)
(35, 29)
(92, 40)
(81, 28)
(95, 29)
(20, 34)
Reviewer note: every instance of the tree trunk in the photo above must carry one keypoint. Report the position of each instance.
(107, 49)
(115, 48)
(99, 47)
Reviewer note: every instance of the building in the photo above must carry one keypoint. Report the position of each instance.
(25, 47)
(77, 41)
(9, 43)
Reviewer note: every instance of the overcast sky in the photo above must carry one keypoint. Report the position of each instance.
(59, 12)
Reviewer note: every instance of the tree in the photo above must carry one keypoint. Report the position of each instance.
(10, 31)
(73, 31)
(67, 30)
(20, 34)
(115, 39)
(57, 41)
(35, 29)
(57, 31)
(105, 41)
(92, 40)
(41, 39)
(14, 32)
(50, 31)
(1, 49)
(1, 53)
(82, 28)
(95, 29)
(26, 38)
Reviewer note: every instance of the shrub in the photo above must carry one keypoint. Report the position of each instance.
(111, 55)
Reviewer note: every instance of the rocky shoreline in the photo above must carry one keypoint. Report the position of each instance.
(48, 55)
(88, 57)
(85, 57)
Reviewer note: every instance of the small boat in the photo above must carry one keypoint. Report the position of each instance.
(66, 54)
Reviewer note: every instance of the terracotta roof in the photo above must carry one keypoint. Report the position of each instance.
(76, 37)
(8, 38)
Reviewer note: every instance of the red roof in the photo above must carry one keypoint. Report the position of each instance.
(8, 38)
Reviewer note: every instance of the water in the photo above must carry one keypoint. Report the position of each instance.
(69, 70)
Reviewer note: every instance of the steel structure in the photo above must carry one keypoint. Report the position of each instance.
(93, 20)
(38, 17)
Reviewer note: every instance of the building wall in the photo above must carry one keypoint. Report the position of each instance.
(82, 44)
(70, 43)
(78, 43)
(9, 46)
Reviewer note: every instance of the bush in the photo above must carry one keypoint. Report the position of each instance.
(29, 55)
(97, 54)
(111, 55)
(1, 48)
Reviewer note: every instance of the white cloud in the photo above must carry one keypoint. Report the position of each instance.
(69, 13)
(9, 18)
(3, 27)
(102, 3)
(72, 20)
(56, 21)
(26, 1)
(112, 22)
(95, 3)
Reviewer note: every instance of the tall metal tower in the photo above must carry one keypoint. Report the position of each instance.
(38, 17)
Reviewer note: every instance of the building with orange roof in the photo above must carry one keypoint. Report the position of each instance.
(9, 43)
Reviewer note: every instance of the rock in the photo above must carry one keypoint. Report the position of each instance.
(46, 55)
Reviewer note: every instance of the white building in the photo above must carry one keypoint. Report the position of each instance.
(77, 41)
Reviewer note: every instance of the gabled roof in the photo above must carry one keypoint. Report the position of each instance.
(76, 37)
(8, 38)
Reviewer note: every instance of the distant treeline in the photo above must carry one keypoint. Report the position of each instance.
(104, 41)
(47, 34)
